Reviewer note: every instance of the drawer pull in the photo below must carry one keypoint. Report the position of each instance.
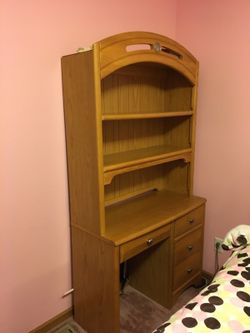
(191, 221)
(149, 242)
(190, 247)
(189, 270)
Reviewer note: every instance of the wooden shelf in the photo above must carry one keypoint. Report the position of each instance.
(147, 115)
(118, 163)
(135, 217)
(138, 156)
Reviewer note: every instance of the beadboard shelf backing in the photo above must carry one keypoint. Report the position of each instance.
(143, 88)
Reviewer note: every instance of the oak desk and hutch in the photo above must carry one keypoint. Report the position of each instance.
(130, 108)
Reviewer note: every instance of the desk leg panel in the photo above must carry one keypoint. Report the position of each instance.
(95, 282)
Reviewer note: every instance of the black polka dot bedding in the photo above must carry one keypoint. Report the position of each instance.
(223, 306)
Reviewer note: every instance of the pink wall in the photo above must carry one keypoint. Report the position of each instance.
(217, 33)
(34, 229)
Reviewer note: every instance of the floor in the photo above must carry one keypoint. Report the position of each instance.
(139, 314)
(68, 326)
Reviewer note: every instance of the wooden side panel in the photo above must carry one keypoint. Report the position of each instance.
(95, 283)
(193, 133)
(83, 140)
(150, 273)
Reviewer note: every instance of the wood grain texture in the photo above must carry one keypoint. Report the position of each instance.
(83, 155)
(143, 162)
(95, 282)
(131, 135)
(130, 113)
(138, 143)
(146, 115)
(114, 53)
(188, 231)
(135, 157)
(195, 279)
(150, 272)
(188, 245)
(140, 244)
(189, 221)
(186, 270)
(145, 88)
(133, 218)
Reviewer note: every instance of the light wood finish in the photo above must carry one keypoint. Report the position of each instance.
(134, 218)
(194, 281)
(172, 176)
(132, 135)
(187, 269)
(149, 272)
(126, 116)
(143, 88)
(130, 112)
(188, 250)
(192, 132)
(53, 322)
(109, 175)
(188, 245)
(138, 245)
(114, 55)
(128, 196)
(96, 283)
(189, 221)
(82, 144)
(141, 156)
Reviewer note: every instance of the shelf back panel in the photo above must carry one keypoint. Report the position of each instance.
(173, 176)
(145, 88)
(130, 135)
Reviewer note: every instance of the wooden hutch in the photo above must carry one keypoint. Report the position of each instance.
(130, 110)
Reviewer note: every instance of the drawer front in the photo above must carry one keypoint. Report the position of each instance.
(187, 269)
(189, 221)
(188, 245)
(134, 247)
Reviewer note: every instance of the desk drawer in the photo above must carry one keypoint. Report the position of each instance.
(188, 245)
(187, 269)
(189, 221)
(134, 247)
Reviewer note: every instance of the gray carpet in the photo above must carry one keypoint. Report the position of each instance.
(69, 326)
(138, 314)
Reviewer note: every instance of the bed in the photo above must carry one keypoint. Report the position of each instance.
(223, 305)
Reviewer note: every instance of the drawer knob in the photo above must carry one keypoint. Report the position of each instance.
(189, 270)
(149, 241)
(191, 221)
(190, 247)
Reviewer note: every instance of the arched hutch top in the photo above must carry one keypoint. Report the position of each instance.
(133, 47)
